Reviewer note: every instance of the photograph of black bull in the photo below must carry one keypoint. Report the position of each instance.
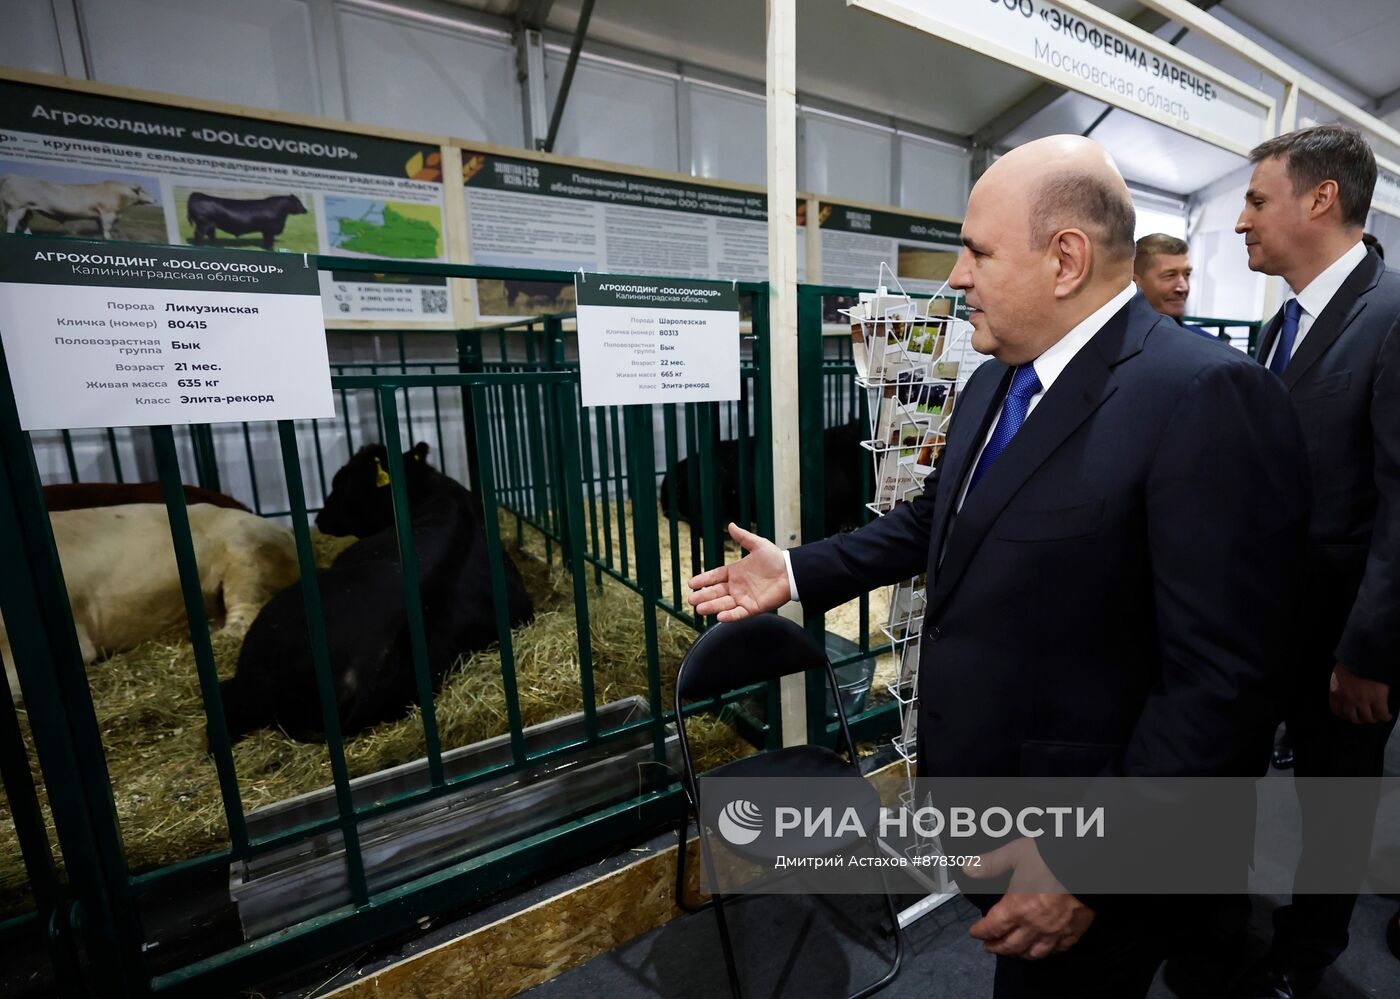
(240, 216)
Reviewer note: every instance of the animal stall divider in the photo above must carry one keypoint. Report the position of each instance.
(40, 630)
(563, 397)
(529, 432)
(103, 905)
(524, 438)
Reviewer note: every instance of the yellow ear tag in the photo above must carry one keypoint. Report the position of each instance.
(381, 477)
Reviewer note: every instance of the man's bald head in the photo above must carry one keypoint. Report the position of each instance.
(1047, 240)
(1070, 182)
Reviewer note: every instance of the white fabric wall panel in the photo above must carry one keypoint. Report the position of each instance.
(614, 113)
(253, 52)
(30, 38)
(845, 159)
(429, 80)
(933, 177)
(1386, 228)
(1157, 214)
(728, 136)
(1152, 220)
(1223, 286)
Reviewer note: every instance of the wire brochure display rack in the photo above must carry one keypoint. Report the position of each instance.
(912, 357)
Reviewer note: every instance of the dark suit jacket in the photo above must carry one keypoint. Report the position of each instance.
(1106, 599)
(1344, 382)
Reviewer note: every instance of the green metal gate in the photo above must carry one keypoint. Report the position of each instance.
(574, 476)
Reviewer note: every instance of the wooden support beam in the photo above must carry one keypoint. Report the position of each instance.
(782, 313)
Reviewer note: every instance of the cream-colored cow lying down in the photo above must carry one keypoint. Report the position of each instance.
(123, 585)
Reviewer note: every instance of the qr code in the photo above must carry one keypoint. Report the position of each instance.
(434, 300)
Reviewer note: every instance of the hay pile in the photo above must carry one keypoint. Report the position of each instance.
(151, 715)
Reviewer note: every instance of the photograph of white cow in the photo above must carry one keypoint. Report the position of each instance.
(55, 201)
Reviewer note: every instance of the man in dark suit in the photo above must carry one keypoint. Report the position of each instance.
(1162, 269)
(1107, 539)
(1335, 345)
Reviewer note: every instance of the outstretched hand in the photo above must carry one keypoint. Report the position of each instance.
(752, 585)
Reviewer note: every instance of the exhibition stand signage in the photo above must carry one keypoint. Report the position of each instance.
(856, 241)
(97, 337)
(550, 215)
(645, 341)
(82, 164)
(1082, 48)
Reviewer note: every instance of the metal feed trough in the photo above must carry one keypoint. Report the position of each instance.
(275, 890)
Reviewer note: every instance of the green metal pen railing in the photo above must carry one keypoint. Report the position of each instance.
(1239, 333)
(502, 408)
(562, 470)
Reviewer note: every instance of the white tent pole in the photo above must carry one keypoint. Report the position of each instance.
(782, 314)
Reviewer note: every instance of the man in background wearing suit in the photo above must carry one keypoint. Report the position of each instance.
(1162, 270)
(1335, 345)
(1108, 541)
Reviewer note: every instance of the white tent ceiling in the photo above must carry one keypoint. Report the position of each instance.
(1354, 40)
(851, 57)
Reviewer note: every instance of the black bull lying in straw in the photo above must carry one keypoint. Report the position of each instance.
(362, 593)
(844, 496)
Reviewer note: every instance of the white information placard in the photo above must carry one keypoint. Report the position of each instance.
(103, 337)
(661, 340)
(1082, 48)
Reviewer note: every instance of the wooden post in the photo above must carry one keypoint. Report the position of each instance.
(782, 313)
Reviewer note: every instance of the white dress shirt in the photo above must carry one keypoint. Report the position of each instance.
(1056, 358)
(1319, 292)
(1048, 367)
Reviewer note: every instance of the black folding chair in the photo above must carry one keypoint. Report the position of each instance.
(754, 650)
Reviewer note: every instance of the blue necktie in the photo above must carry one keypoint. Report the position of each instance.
(1287, 333)
(1024, 384)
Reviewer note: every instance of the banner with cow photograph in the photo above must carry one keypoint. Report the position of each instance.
(553, 215)
(80, 164)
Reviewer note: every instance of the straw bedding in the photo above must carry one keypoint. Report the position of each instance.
(151, 717)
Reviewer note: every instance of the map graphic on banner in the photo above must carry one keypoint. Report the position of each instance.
(552, 216)
(74, 164)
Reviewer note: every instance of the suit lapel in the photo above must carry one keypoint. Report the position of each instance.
(1345, 306)
(1266, 343)
(1084, 385)
(983, 398)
